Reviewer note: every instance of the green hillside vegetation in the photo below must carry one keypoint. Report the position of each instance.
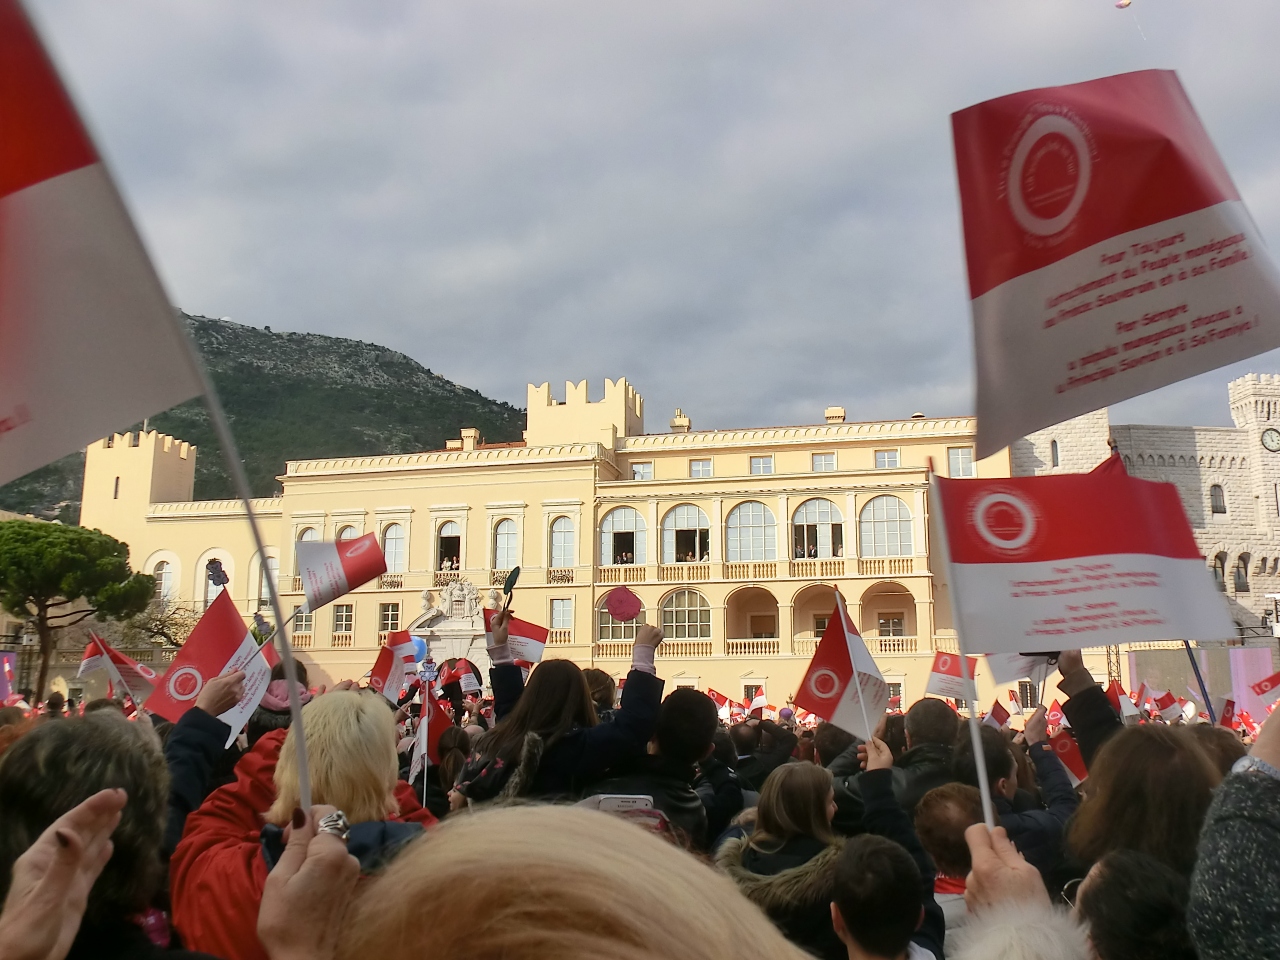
(292, 396)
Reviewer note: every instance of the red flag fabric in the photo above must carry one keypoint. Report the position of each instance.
(1121, 702)
(758, 703)
(828, 688)
(527, 640)
(945, 679)
(998, 717)
(435, 718)
(1108, 251)
(329, 569)
(1054, 715)
(138, 680)
(1268, 689)
(219, 644)
(1068, 751)
(1167, 705)
(1075, 560)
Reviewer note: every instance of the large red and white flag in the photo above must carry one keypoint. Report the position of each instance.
(89, 343)
(220, 643)
(1167, 705)
(136, 679)
(1268, 689)
(1076, 560)
(1055, 717)
(1109, 253)
(998, 717)
(945, 679)
(722, 703)
(1068, 751)
(527, 640)
(1224, 709)
(393, 666)
(829, 689)
(1121, 702)
(332, 568)
(759, 703)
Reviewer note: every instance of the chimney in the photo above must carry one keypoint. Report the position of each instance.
(470, 438)
(680, 423)
(834, 414)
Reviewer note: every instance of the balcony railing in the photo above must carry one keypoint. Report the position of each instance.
(622, 573)
(391, 581)
(817, 569)
(804, 646)
(685, 648)
(611, 649)
(294, 584)
(946, 645)
(767, 570)
(559, 637)
(684, 572)
(343, 641)
(498, 577)
(440, 577)
(301, 641)
(753, 648)
(897, 644)
(560, 575)
(886, 566)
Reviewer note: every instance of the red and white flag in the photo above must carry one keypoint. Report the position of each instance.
(1139, 697)
(331, 568)
(829, 688)
(393, 666)
(527, 640)
(462, 673)
(945, 679)
(1076, 560)
(1167, 705)
(722, 703)
(219, 644)
(1109, 253)
(1015, 705)
(1055, 717)
(998, 717)
(1068, 751)
(1268, 689)
(758, 704)
(77, 291)
(1120, 701)
(1246, 721)
(737, 710)
(136, 679)
(436, 717)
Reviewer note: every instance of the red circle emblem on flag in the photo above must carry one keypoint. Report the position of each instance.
(824, 684)
(1063, 745)
(1049, 175)
(1004, 521)
(185, 684)
(944, 663)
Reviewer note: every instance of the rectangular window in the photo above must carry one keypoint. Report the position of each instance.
(642, 471)
(699, 468)
(895, 690)
(344, 617)
(302, 622)
(960, 461)
(1028, 695)
(893, 625)
(824, 463)
(388, 617)
(820, 625)
(562, 614)
(760, 466)
(749, 691)
(886, 459)
(961, 703)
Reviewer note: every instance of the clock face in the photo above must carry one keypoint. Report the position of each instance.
(1271, 439)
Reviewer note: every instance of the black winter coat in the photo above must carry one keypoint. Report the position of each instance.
(195, 744)
(671, 787)
(1038, 833)
(918, 771)
(754, 770)
(720, 791)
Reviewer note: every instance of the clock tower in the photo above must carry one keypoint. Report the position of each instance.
(1255, 408)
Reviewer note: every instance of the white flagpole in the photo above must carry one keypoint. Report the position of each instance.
(975, 727)
(857, 677)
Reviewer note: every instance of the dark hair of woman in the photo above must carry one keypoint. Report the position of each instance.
(454, 746)
(1149, 789)
(793, 803)
(555, 700)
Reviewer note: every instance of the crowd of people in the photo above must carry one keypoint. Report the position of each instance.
(574, 821)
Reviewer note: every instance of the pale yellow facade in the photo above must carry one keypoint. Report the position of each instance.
(735, 540)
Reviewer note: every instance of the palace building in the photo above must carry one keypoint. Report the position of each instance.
(735, 540)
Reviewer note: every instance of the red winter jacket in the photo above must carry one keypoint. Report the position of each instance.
(217, 872)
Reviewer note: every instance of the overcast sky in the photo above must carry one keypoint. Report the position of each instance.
(746, 208)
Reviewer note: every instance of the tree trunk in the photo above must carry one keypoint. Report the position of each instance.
(46, 651)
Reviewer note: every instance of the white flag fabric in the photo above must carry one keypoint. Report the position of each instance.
(1109, 253)
(136, 679)
(89, 343)
(829, 688)
(1008, 667)
(1075, 560)
(945, 678)
(527, 640)
(329, 569)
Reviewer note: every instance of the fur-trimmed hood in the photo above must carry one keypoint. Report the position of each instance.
(1019, 931)
(486, 780)
(793, 888)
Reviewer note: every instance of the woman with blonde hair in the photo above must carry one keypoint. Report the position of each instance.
(231, 843)
(644, 900)
(786, 866)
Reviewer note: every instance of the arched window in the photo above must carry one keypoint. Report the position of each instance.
(1055, 458)
(393, 547)
(686, 615)
(211, 589)
(622, 537)
(885, 524)
(562, 542)
(346, 533)
(163, 572)
(1242, 573)
(608, 628)
(817, 530)
(1220, 571)
(449, 546)
(750, 533)
(1217, 499)
(686, 535)
(505, 554)
(269, 569)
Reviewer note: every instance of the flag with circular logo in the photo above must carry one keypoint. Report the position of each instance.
(945, 679)
(1109, 253)
(843, 685)
(1061, 562)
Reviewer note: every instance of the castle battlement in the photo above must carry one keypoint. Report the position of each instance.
(577, 419)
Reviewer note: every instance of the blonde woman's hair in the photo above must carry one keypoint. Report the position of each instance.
(351, 752)
(530, 883)
(793, 803)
